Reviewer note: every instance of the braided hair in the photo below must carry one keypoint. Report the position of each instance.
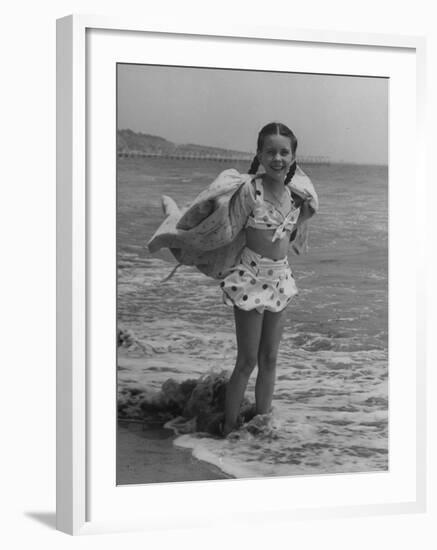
(254, 166)
(275, 128)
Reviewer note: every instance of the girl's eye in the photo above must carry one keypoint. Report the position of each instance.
(284, 152)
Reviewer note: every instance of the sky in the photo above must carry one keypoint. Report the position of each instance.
(344, 118)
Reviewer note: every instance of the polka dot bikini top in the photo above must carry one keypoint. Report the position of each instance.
(266, 216)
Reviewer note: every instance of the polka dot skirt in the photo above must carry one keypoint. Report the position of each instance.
(259, 283)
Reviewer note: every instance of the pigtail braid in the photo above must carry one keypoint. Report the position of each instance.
(254, 166)
(291, 172)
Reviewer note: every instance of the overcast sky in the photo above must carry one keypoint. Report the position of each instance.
(341, 117)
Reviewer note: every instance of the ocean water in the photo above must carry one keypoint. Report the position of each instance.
(330, 409)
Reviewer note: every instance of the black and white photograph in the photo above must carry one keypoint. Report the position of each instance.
(252, 274)
(219, 263)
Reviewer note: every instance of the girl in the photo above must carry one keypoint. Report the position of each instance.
(239, 230)
(262, 285)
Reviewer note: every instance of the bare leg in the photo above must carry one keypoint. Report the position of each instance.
(248, 326)
(273, 324)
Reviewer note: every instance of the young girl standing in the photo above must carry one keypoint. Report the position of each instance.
(261, 286)
(239, 230)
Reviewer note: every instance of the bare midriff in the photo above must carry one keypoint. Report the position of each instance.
(260, 241)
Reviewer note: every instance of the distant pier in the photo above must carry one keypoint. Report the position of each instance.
(245, 157)
(185, 156)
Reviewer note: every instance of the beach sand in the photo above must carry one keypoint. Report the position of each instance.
(146, 454)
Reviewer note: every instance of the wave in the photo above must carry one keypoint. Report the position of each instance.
(331, 427)
(128, 341)
(265, 447)
(193, 405)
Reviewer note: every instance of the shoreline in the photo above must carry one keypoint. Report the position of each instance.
(146, 454)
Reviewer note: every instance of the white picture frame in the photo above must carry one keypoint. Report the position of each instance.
(78, 239)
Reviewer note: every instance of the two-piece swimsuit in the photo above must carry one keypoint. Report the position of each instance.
(257, 282)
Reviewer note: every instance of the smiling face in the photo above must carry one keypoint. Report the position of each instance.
(276, 156)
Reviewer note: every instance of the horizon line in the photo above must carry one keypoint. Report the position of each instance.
(323, 158)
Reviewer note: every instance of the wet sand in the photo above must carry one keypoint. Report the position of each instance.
(146, 454)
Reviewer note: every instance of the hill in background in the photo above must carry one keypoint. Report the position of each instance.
(137, 142)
